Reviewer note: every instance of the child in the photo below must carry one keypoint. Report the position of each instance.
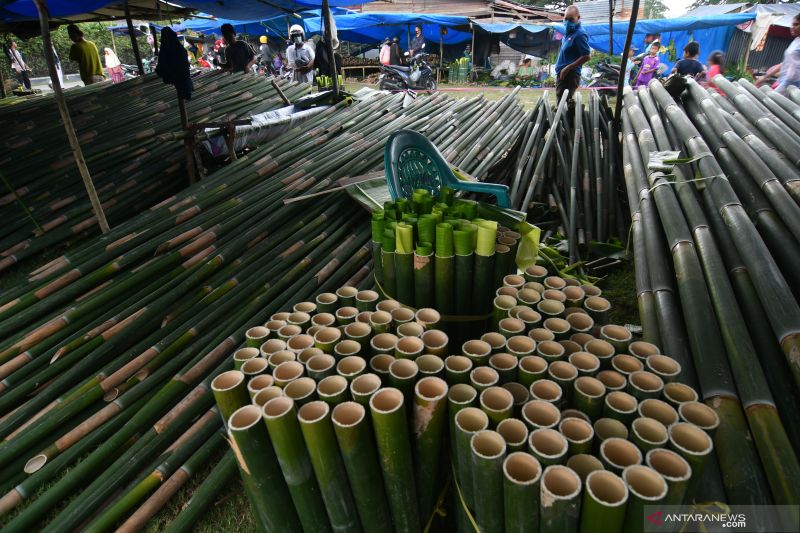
(715, 63)
(629, 65)
(689, 65)
(649, 66)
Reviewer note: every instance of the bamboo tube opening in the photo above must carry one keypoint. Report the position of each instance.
(574, 413)
(591, 387)
(690, 438)
(512, 325)
(244, 418)
(550, 307)
(508, 241)
(663, 364)
(598, 304)
(300, 388)
(471, 419)
(346, 292)
(646, 381)
(381, 318)
(513, 430)
(643, 349)
(278, 358)
(331, 386)
(612, 379)
(503, 361)
(562, 370)
(581, 338)
(277, 407)
(428, 316)
(580, 321)
(584, 361)
(495, 340)
(254, 366)
(584, 464)
(348, 414)
(305, 307)
(608, 428)
(521, 344)
(266, 394)
(533, 364)
(591, 290)
(574, 293)
(699, 414)
(347, 347)
(323, 319)
(287, 371)
(541, 413)
(290, 330)
(669, 464)
(381, 363)
(645, 482)
(516, 310)
(650, 430)
(617, 333)
(599, 347)
(431, 389)
(506, 291)
(536, 271)
(484, 375)
(403, 369)
(622, 402)
(462, 393)
(275, 325)
(321, 363)
(559, 483)
(245, 354)
(258, 332)
(36, 462)
(620, 452)
(528, 296)
(351, 365)
(505, 302)
(522, 468)
(346, 313)
(298, 318)
(535, 285)
(402, 314)
(457, 363)
(365, 384)
(576, 429)
(570, 347)
(386, 400)
(550, 349)
(607, 488)
(384, 341)
(313, 412)
(281, 315)
(357, 329)
(227, 381)
(410, 346)
(553, 294)
(547, 390)
(434, 339)
(529, 316)
(272, 346)
(367, 296)
(554, 282)
(541, 335)
(557, 325)
(661, 411)
(327, 298)
(262, 381)
(626, 364)
(488, 444)
(476, 348)
(363, 317)
(429, 364)
(518, 392)
(313, 330)
(574, 311)
(496, 399)
(388, 305)
(513, 280)
(410, 329)
(300, 342)
(680, 393)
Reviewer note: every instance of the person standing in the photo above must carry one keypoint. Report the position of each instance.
(418, 42)
(239, 56)
(18, 65)
(789, 69)
(265, 53)
(85, 54)
(114, 66)
(629, 65)
(395, 55)
(300, 55)
(650, 65)
(689, 65)
(384, 53)
(573, 54)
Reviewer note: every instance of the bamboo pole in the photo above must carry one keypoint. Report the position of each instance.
(624, 62)
(134, 43)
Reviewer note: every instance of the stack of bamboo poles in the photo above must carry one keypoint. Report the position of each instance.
(564, 173)
(118, 125)
(727, 216)
(107, 353)
(339, 414)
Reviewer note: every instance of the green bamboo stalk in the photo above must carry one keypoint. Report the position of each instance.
(521, 477)
(604, 500)
(428, 424)
(674, 469)
(488, 450)
(560, 500)
(645, 487)
(230, 392)
(467, 422)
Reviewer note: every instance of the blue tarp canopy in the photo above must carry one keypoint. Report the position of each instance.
(258, 9)
(374, 27)
(532, 39)
(17, 10)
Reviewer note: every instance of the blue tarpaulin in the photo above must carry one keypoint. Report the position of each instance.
(258, 9)
(26, 10)
(532, 39)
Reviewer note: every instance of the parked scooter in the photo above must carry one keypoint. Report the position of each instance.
(606, 74)
(417, 76)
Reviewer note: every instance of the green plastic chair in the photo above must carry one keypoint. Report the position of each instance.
(412, 162)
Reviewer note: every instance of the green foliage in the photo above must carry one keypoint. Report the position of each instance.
(737, 70)
(598, 57)
(655, 9)
(97, 32)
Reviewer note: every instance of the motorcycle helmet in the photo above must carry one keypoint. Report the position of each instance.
(297, 34)
(396, 39)
(263, 39)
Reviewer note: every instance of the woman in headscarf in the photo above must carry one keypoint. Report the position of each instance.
(113, 65)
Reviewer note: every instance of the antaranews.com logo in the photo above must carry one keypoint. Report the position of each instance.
(718, 517)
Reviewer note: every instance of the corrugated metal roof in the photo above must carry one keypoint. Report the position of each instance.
(788, 10)
(715, 9)
(597, 10)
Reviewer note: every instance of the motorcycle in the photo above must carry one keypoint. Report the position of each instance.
(417, 76)
(606, 74)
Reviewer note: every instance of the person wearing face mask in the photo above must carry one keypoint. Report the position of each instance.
(573, 54)
(300, 55)
(418, 42)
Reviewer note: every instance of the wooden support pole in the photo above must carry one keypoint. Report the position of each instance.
(155, 39)
(441, 57)
(610, 28)
(326, 12)
(472, 52)
(280, 92)
(113, 42)
(44, 22)
(188, 142)
(134, 42)
(2, 85)
(624, 62)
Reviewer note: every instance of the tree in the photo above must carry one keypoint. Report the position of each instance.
(654, 9)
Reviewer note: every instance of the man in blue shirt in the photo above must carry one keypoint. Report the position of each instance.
(573, 54)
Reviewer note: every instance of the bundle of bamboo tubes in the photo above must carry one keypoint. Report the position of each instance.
(118, 125)
(722, 208)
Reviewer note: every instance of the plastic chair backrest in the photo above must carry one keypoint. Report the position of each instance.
(412, 162)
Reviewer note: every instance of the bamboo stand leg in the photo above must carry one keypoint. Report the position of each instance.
(188, 143)
(134, 42)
